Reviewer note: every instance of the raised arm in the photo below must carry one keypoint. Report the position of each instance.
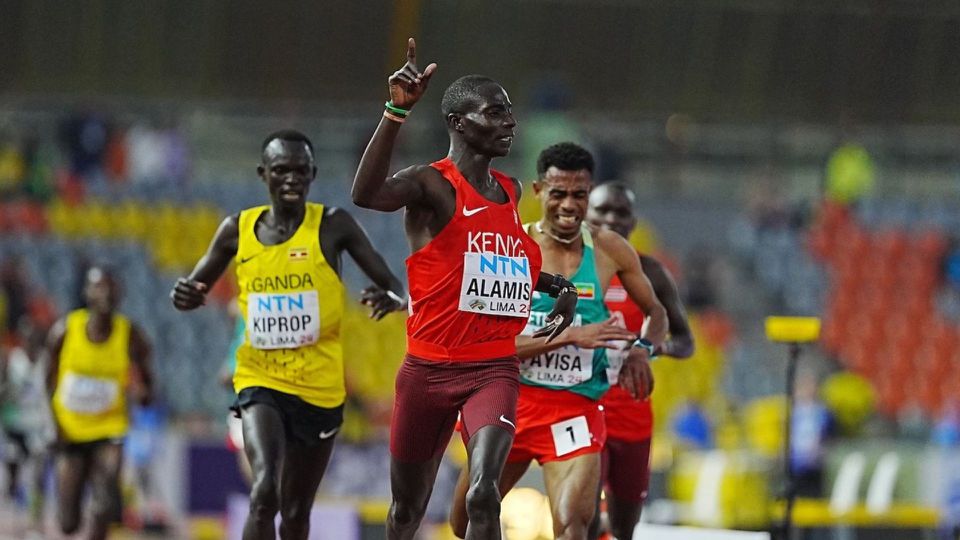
(680, 344)
(371, 186)
(190, 292)
(140, 352)
(387, 295)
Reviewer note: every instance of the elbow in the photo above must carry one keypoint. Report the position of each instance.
(359, 198)
(683, 346)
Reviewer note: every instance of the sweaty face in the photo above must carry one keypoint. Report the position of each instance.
(101, 291)
(488, 125)
(287, 168)
(612, 209)
(563, 198)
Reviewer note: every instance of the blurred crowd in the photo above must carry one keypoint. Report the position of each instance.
(784, 254)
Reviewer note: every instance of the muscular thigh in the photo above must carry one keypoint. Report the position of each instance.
(572, 486)
(73, 469)
(424, 412)
(494, 401)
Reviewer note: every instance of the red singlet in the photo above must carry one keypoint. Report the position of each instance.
(627, 418)
(470, 286)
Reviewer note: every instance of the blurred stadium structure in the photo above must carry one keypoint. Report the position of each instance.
(791, 158)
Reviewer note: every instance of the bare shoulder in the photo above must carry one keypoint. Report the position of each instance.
(56, 333)
(338, 220)
(611, 243)
(335, 214)
(230, 226)
(227, 236)
(138, 336)
(418, 173)
(438, 191)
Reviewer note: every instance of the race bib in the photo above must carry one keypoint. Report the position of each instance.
(88, 395)
(496, 285)
(570, 435)
(564, 367)
(283, 320)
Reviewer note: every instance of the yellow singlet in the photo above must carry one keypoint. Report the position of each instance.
(90, 401)
(292, 302)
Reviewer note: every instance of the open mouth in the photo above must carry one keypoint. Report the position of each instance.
(291, 196)
(568, 221)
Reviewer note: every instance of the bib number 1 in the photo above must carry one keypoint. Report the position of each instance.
(571, 435)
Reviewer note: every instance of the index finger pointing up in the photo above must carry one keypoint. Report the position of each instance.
(411, 51)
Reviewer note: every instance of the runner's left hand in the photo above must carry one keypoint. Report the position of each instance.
(381, 301)
(560, 317)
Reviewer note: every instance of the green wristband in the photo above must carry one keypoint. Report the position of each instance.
(396, 110)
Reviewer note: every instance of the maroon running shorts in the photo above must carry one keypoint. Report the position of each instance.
(429, 394)
(626, 469)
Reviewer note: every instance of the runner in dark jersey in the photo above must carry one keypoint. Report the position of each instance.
(626, 455)
(471, 275)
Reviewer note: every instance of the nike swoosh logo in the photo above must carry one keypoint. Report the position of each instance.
(245, 259)
(469, 213)
(505, 421)
(328, 434)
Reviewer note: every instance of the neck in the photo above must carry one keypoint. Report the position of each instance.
(572, 242)
(287, 217)
(98, 320)
(473, 166)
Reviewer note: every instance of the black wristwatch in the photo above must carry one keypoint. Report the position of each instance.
(645, 343)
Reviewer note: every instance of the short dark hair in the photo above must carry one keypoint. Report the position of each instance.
(566, 156)
(105, 268)
(291, 135)
(620, 187)
(461, 91)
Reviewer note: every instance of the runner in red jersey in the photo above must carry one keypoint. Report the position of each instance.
(626, 456)
(560, 421)
(471, 274)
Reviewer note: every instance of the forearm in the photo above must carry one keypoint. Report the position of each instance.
(528, 347)
(655, 330)
(209, 269)
(146, 377)
(50, 383)
(375, 166)
(382, 277)
(677, 347)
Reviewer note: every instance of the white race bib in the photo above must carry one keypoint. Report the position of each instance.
(564, 367)
(88, 395)
(283, 320)
(570, 435)
(496, 285)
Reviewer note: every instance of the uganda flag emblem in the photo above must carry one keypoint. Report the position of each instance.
(298, 254)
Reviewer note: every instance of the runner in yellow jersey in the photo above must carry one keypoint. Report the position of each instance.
(289, 376)
(92, 353)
